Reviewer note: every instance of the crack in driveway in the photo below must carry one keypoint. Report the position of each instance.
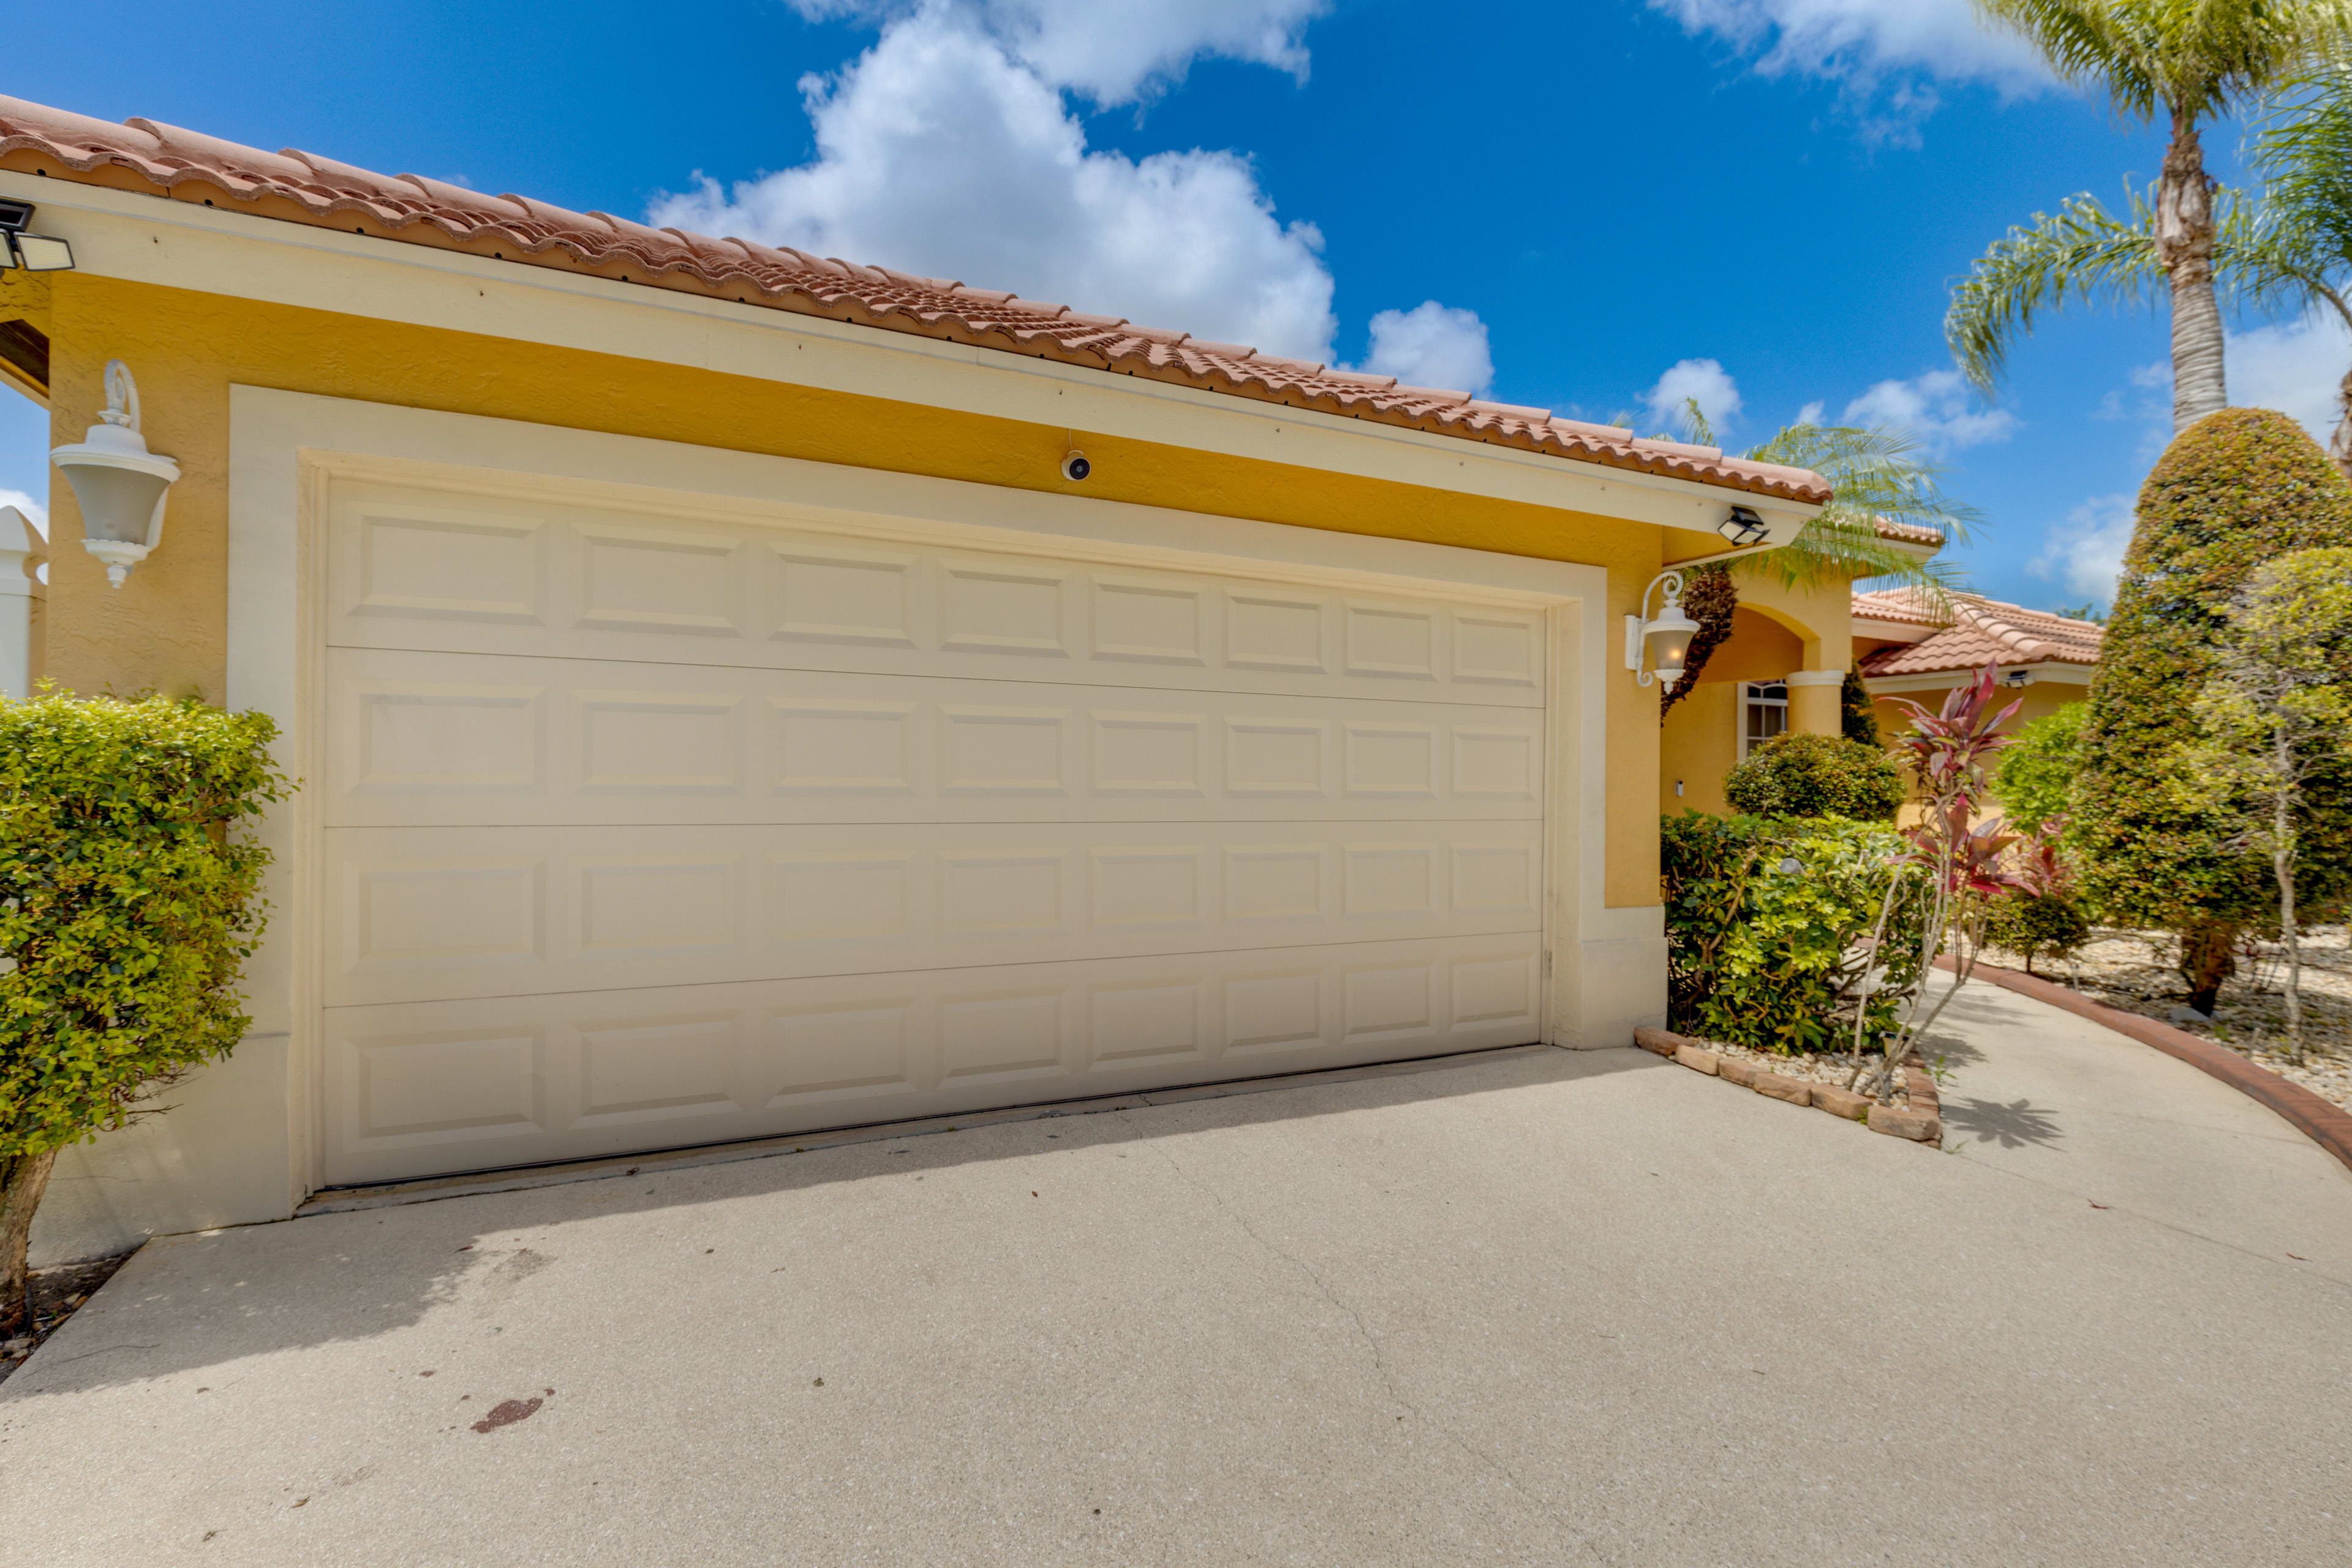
(1371, 1343)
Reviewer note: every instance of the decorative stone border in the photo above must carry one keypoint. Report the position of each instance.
(1922, 1122)
(2326, 1123)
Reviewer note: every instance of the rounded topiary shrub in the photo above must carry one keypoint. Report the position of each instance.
(2037, 925)
(2234, 490)
(1816, 775)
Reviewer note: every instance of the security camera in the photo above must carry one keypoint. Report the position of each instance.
(1075, 467)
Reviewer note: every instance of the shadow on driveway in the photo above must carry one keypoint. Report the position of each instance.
(352, 1276)
(2012, 1126)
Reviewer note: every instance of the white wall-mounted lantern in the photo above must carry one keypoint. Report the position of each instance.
(119, 483)
(1663, 642)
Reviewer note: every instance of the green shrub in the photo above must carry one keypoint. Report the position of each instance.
(2035, 780)
(1816, 775)
(1768, 929)
(127, 903)
(2234, 490)
(2037, 925)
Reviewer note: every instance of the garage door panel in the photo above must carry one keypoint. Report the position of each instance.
(498, 911)
(643, 830)
(471, 739)
(426, 569)
(467, 1085)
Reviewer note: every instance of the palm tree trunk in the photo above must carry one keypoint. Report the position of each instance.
(2184, 240)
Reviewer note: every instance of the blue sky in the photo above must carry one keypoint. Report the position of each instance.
(1573, 200)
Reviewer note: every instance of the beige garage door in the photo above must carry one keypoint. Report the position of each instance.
(644, 830)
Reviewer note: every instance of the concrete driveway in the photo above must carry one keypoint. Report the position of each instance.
(1532, 1307)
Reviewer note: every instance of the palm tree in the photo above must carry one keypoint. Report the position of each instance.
(2190, 60)
(1876, 475)
(2299, 251)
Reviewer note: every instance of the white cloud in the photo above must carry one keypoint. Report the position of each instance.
(1935, 407)
(939, 153)
(2294, 367)
(1892, 52)
(2086, 551)
(1703, 381)
(35, 512)
(1146, 49)
(1433, 345)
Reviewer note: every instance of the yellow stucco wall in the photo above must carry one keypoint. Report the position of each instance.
(165, 629)
(1776, 630)
(1698, 744)
(2036, 701)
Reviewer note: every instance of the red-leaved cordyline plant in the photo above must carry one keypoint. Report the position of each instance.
(1959, 862)
(2036, 866)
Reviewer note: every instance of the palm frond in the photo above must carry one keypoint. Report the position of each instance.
(2188, 57)
(2082, 252)
(1873, 474)
(2300, 245)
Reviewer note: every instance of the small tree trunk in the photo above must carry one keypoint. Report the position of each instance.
(2283, 864)
(2208, 958)
(2340, 446)
(2184, 241)
(22, 1181)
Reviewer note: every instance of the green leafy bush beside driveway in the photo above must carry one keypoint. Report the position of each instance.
(127, 904)
(1769, 922)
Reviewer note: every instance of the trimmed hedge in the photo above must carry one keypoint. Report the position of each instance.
(1772, 956)
(1816, 775)
(127, 902)
(2234, 490)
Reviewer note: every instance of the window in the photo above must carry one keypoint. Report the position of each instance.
(1763, 712)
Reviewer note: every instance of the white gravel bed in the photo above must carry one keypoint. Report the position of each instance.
(2132, 970)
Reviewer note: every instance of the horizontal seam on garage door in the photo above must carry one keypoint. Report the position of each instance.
(1041, 678)
(948, 968)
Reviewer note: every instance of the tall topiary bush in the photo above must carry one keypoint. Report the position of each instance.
(1816, 775)
(127, 904)
(1857, 713)
(2233, 490)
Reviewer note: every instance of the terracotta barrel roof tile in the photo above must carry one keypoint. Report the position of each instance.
(301, 186)
(1976, 633)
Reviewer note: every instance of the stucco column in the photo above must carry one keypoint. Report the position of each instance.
(1813, 701)
(17, 542)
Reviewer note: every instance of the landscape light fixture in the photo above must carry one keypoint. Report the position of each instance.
(33, 252)
(119, 484)
(1665, 638)
(1744, 527)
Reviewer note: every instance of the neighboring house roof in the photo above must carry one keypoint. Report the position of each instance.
(1976, 633)
(1907, 533)
(298, 187)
